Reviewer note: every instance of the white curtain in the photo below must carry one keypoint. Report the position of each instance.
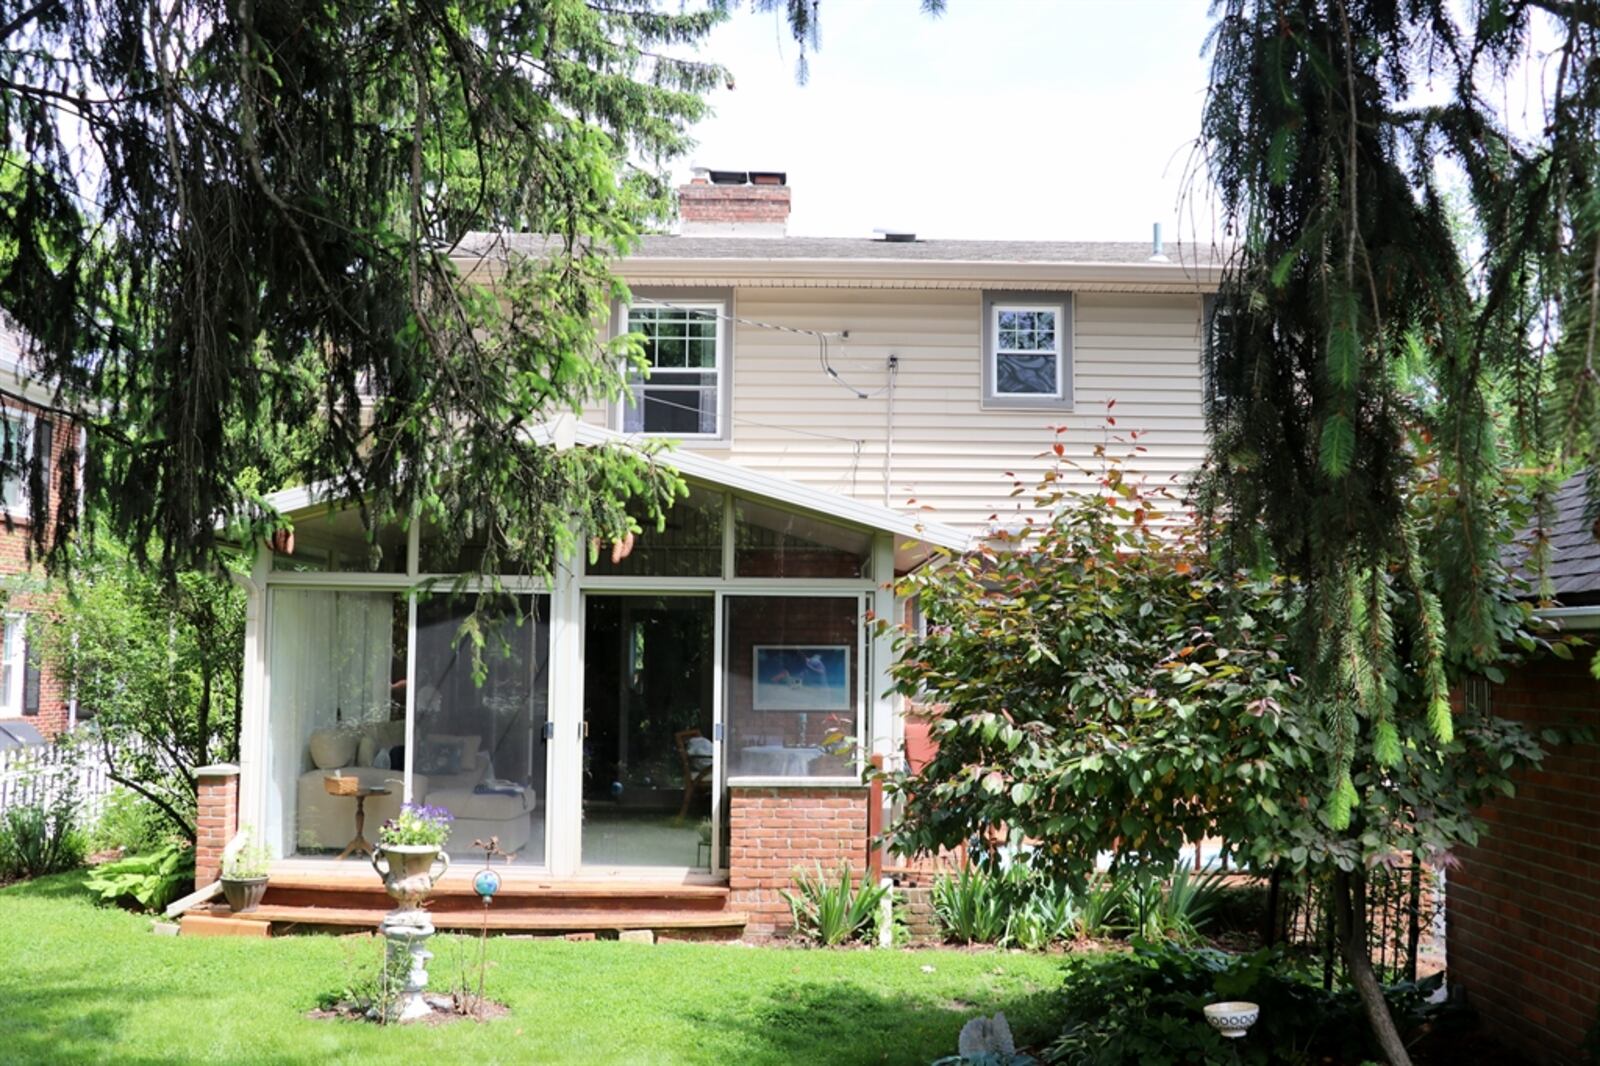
(328, 662)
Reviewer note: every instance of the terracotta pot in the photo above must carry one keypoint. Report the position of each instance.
(244, 894)
(407, 871)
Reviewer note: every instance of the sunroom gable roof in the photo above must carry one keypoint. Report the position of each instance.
(917, 534)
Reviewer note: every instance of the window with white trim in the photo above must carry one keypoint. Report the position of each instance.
(13, 664)
(15, 433)
(1027, 350)
(681, 391)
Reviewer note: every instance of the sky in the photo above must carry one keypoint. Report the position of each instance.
(1003, 119)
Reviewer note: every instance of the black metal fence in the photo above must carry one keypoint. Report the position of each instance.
(1403, 902)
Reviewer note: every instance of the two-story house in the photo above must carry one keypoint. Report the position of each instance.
(34, 705)
(697, 710)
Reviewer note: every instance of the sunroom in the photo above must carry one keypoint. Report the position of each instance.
(617, 708)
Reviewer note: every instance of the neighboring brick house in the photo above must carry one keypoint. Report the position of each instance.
(29, 693)
(1523, 907)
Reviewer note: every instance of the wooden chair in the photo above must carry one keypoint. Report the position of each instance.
(693, 775)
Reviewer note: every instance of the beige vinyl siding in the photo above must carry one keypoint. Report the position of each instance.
(949, 455)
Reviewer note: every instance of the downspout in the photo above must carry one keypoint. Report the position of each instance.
(888, 429)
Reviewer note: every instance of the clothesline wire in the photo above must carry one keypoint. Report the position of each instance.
(821, 337)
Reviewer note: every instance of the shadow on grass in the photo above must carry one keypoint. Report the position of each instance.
(848, 1023)
(55, 887)
(84, 1022)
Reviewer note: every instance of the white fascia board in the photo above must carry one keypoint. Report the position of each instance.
(1173, 277)
(1568, 618)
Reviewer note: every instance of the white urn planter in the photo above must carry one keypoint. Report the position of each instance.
(407, 871)
(408, 877)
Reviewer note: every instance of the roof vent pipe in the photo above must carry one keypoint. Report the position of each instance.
(1156, 253)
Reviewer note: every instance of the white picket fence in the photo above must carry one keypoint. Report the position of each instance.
(38, 774)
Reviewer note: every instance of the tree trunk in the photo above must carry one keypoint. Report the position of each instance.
(1350, 921)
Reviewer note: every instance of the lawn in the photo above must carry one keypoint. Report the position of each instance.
(83, 983)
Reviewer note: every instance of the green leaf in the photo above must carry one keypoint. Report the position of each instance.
(1338, 445)
(1386, 744)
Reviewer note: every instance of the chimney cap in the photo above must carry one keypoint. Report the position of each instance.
(718, 176)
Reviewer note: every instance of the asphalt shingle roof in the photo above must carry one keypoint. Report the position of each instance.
(1574, 570)
(859, 248)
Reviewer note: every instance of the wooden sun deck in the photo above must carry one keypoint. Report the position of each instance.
(340, 899)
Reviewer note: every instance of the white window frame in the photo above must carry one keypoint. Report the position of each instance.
(1057, 303)
(13, 655)
(20, 509)
(720, 304)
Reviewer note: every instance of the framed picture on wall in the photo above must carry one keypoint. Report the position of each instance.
(802, 677)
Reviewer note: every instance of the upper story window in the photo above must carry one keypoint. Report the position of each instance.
(683, 390)
(1027, 350)
(20, 434)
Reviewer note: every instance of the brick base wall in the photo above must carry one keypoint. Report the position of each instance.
(1523, 939)
(772, 831)
(217, 820)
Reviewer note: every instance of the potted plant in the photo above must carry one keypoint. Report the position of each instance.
(244, 872)
(408, 846)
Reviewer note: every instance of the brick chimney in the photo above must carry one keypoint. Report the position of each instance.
(734, 203)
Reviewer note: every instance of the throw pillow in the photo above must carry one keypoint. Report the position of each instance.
(441, 757)
(331, 748)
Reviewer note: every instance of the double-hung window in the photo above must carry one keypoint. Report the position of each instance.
(20, 434)
(682, 390)
(1027, 350)
(13, 666)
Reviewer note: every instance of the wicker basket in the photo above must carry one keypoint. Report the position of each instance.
(341, 786)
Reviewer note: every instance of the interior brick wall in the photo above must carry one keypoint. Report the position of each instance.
(217, 820)
(1523, 937)
(832, 620)
(773, 832)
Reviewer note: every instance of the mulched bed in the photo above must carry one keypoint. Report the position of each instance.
(444, 1012)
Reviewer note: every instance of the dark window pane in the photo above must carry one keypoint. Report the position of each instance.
(1028, 375)
(689, 546)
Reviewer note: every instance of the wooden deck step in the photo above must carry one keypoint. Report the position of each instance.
(500, 918)
(347, 889)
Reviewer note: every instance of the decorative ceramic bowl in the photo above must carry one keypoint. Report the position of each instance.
(1232, 1019)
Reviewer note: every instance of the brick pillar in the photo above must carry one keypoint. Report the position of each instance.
(217, 821)
(773, 830)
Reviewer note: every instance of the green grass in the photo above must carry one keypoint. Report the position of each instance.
(81, 983)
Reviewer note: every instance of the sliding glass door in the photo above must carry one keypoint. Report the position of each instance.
(648, 731)
(343, 757)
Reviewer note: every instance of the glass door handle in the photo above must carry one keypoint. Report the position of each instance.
(547, 731)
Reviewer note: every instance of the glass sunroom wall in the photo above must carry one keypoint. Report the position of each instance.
(336, 717)
(690, 544)
(338, 541)
(479, 734)
(793, 692)
(770, 541)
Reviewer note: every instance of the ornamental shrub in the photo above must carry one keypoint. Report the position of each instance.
(39, 839)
